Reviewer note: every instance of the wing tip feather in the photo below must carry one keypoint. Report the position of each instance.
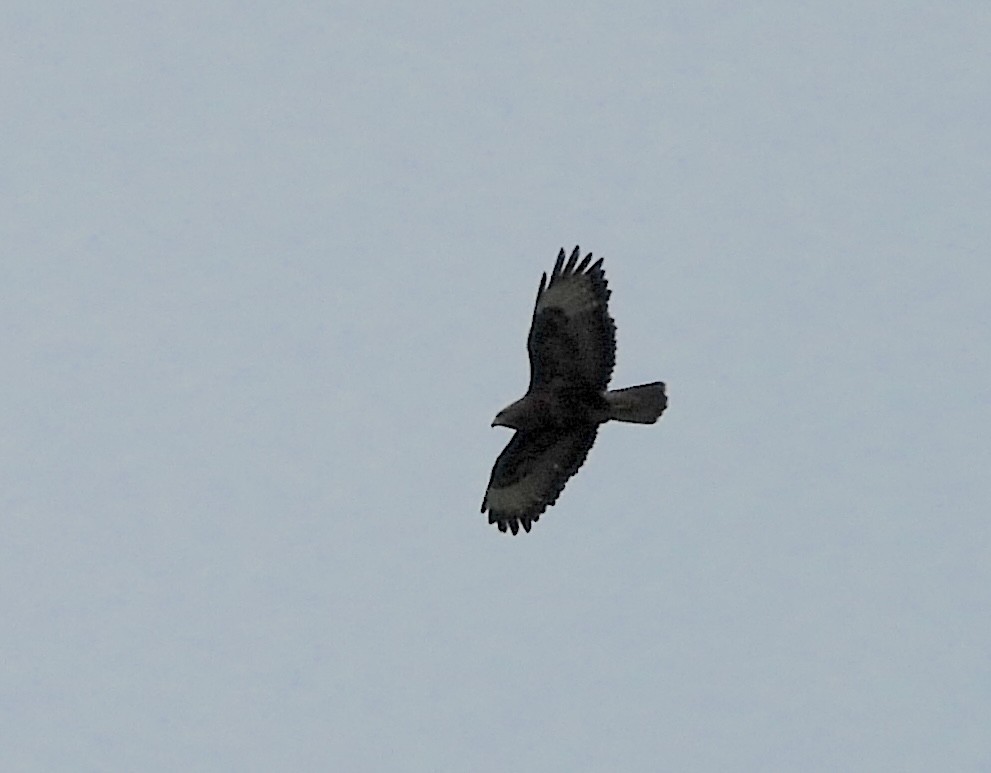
(543, 286)
(512, 523)
(570, 268)
(575, 268)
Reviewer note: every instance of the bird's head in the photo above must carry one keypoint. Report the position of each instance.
(501, 420)
(513, 415)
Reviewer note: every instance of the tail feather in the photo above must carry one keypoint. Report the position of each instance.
(642, 404)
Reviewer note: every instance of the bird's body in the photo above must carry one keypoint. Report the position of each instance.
(572, 347)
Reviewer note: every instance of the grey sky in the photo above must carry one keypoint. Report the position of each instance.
(267, 277)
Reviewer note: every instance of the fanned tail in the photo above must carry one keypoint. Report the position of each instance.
(642, 404)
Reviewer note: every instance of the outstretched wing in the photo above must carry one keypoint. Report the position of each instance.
(572, 337)
(531, 471)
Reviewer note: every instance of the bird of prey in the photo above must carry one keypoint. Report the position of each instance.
(572, 347)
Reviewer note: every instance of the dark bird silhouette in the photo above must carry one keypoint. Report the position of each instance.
(572, 347)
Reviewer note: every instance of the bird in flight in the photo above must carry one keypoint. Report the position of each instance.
(572, 347)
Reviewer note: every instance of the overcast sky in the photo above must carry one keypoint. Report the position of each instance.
(267, 273)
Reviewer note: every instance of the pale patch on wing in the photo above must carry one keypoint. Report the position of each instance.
(578, 333)
(574, 295)
(537, 482)
(527, 495)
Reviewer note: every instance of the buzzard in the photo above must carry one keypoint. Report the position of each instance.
(572, 346)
